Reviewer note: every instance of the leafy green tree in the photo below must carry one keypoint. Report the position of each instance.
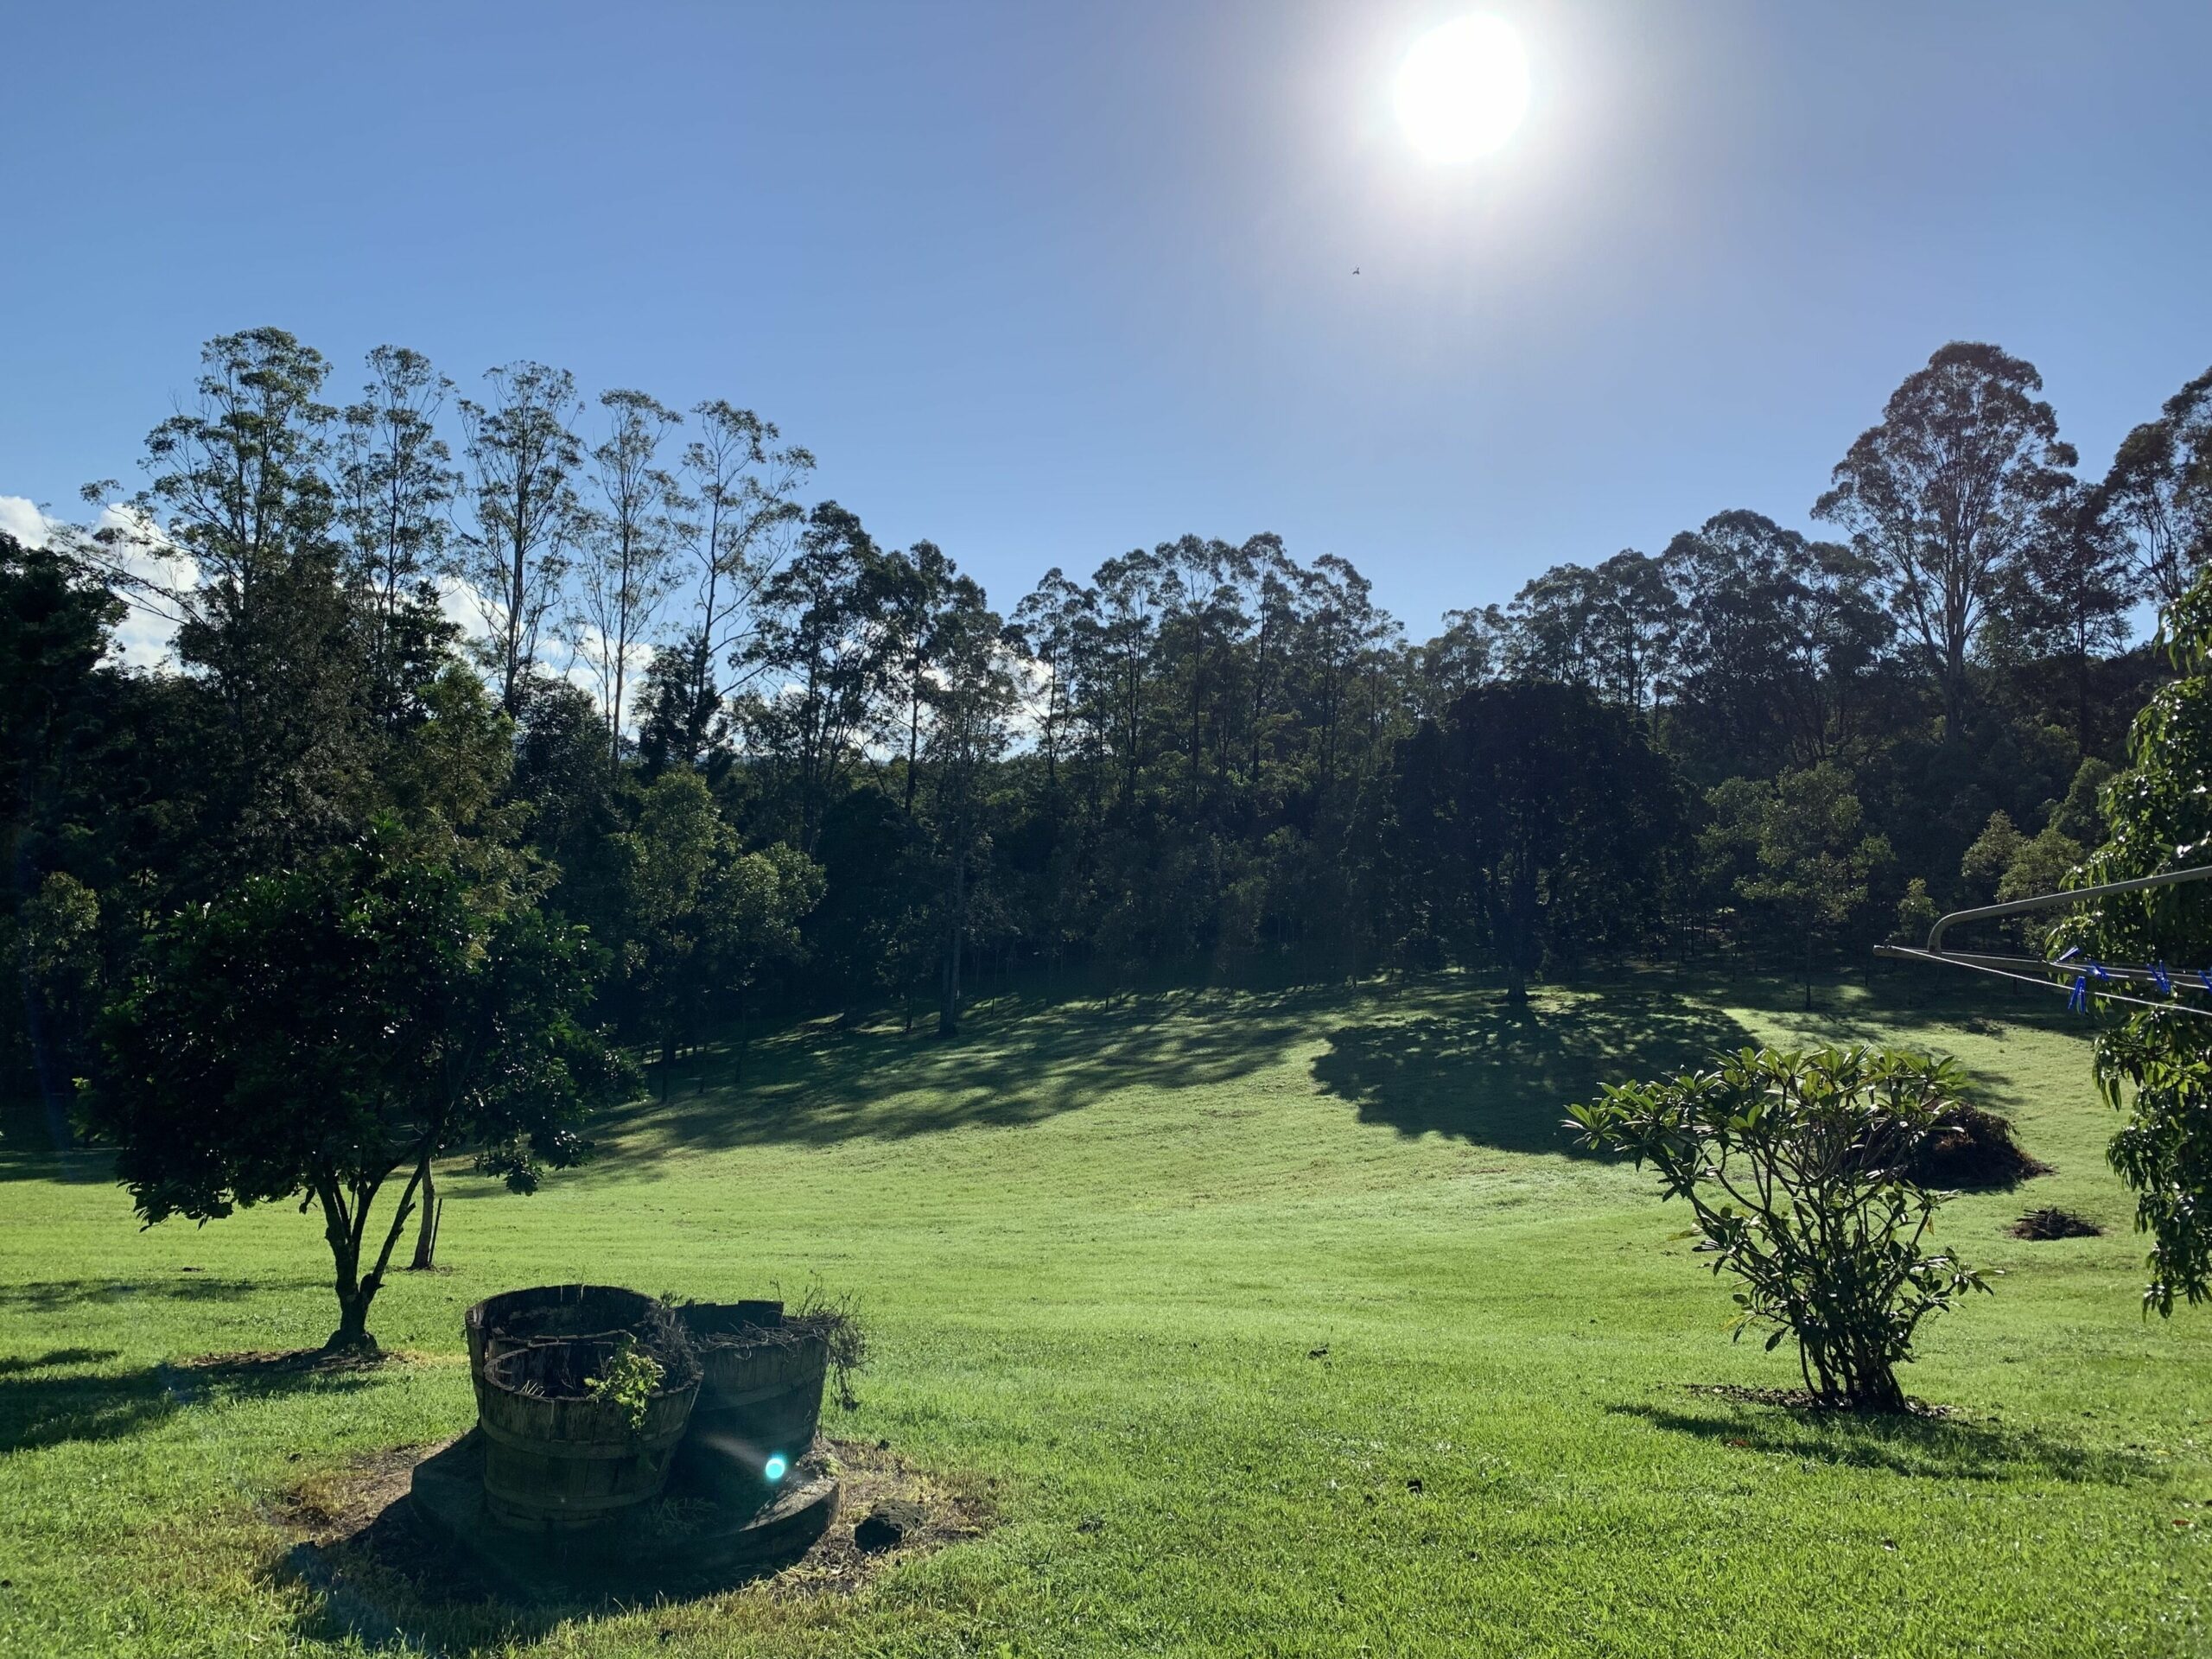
(1794, 1166)
(1539, 818)
(827, 642)
(319, 1034)
(2158, 492)
(1948, 492)
(1917, 914)
(703, 918)
(2156, 1065)
(1812, 854)
(1991, 856)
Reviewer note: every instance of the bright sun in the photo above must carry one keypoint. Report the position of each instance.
(1462, 90)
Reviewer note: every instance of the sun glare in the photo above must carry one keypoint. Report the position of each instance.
(1462, 90)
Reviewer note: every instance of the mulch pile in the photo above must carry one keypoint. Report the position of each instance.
(2056, 1223)
(1975, 1152)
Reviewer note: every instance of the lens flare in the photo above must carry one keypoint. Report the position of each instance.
(775, 1468)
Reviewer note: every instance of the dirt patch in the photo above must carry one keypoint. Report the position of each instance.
(356, 1539)
(341, 1504)
(1975, 1151)
(1803, 1400)
(2054, 1222)
(950, 1510)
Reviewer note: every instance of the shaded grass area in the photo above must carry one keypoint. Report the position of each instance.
(1282, 1323)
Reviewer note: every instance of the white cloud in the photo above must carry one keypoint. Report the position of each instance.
(20, 518)
(137, 549)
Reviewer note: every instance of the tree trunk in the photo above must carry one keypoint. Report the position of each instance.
(948, 1017)
(354, 1294)
(426, 1236)
(1517, 981)
(345, 1228)
(352, 1336)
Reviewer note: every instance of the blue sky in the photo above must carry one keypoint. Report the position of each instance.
(1043, 283)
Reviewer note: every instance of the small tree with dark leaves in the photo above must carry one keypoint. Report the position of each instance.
(316, 1034)
(1794, 1167)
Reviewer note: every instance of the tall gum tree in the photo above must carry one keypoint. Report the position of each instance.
(1946, 493)
(524, 516)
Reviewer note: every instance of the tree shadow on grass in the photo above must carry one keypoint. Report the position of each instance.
(819, 1084)
(1945, 1448)
(1504, 1078)
(44, 1402)
(37, 1146)
(54, 1296)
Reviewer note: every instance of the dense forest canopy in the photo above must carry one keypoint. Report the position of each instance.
(762, 760)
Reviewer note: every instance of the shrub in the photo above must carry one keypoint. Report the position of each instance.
(1798, 1170)
(629, 1377)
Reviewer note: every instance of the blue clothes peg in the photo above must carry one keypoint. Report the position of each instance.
(2159, 978)
(2077, 999)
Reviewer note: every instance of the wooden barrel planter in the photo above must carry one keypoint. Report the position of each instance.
(557, 1459)
(759, 1397)
(549, 1310)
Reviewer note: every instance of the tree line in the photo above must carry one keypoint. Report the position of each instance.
(622, 670)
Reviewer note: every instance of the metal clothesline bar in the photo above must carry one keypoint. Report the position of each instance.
(2179, 978)
(1980, 965)
(2083, 971)
(2046, 900)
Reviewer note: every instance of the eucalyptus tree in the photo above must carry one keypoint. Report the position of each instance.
(972, 697)
(1345, 642)
(525, 516)
(1044, 630)
(921, 588)
(239, 482)
(824, 653)
(630, 536)
(1469, 652)
(1774, 634)
(1555, 630)
(2070, 592)
(2158, 491)
(1947, 493)
(1126, 607)
(394, 482)
(1204, 635)
(1534, 821)
(1637, 619)
(741, 481)
(1272, 602)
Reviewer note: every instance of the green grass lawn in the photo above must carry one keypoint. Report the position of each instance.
(1097, 1252)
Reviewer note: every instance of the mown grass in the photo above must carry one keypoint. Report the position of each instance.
(1099, 1253)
